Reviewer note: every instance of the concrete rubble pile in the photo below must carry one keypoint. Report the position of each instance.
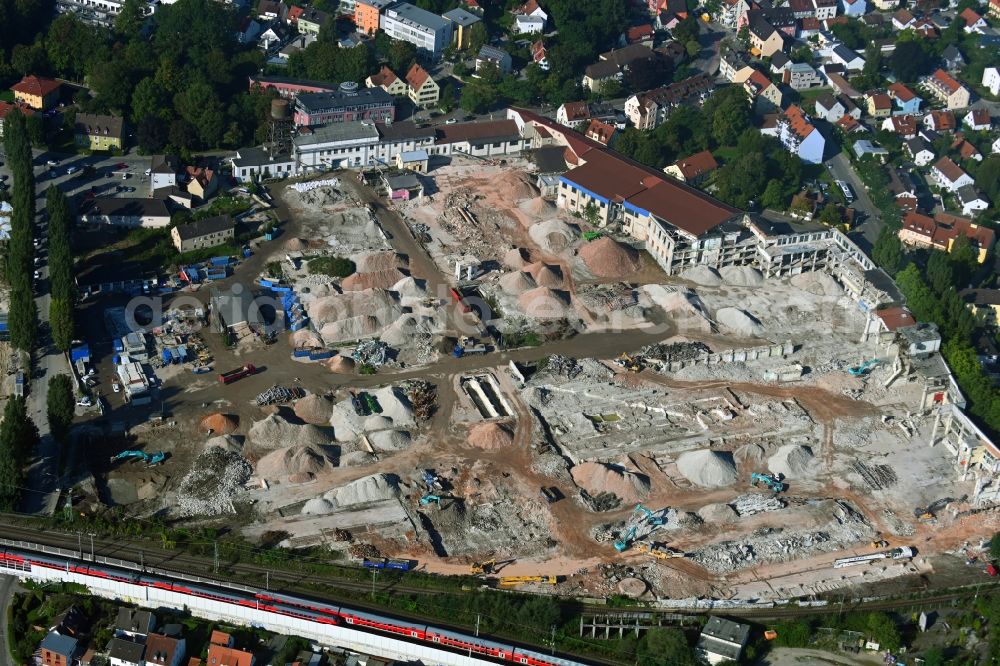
(564, 366)
(277, 395)
(678, 351)
(753, 503)
(215, 482)
(371, 352)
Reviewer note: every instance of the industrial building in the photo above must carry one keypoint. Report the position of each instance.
(348, 103)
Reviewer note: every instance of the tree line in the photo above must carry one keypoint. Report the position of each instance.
(19, 258)
(62, 287)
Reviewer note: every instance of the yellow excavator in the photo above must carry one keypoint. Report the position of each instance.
(658, 551)
(486, 567)
(629, 363)
(507, 581)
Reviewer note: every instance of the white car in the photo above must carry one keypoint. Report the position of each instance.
(71, 170)
(115, 386)
(51, 163)
(148, 171)
(84, 401)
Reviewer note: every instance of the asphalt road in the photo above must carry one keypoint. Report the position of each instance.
(867, 232)
(8, 587)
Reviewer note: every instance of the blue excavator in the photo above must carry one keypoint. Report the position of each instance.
(150, 459)
(772, 481)
(862, 369)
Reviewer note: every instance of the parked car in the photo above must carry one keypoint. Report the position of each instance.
(84, 401)
(71, 170)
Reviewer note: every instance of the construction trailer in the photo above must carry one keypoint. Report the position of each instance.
(134, 382)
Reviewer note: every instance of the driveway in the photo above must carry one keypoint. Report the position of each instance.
(867, 233)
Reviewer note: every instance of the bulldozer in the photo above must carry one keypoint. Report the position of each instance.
(659, 551)
(487, 567)
(507, 581)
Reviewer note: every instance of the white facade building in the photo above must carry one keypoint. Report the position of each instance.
(428, 32)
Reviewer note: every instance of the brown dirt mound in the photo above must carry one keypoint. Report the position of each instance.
(546, 275)
(598, 478)
(296, 245)
(305, 338)
(490, 436)
(517, 283)
(514, 186)
(374, 280)
(342, 365)
(537, 207)
(219, 424)
(294, 461)
(382, 261)
(606, 257)
(544, 303)
(516, 258)
(314, 409)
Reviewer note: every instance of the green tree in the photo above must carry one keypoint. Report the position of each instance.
(401, 55)
(793, 633)
(909, 61)
(741, 181)
(60, 409)
(773, 196)
(665, 646)
(129, 19)
(478, 96)
(18, 439)
(939, 271)
(447, 101)
(995, 546)
(883, 630)
(888, 251)
(332, 266)
(988, 177)
(830, 215)
(730, 114)
(477, 37)
(61, 323)
(148, 99)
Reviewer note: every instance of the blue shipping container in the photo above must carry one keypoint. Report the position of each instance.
(165, 355)
(265, 283)
(182, 353)
(219, 261)
(300, 353)
(117, 343)
(320, 355)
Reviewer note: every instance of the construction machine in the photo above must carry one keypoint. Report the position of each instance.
(623, 542)
(659, 551)
(863, 368)
(148, 458)
(629, 363)
(879, 543)
(427, 499)
(772, 481)
(518, 580)
(487, 567)
(651, 518)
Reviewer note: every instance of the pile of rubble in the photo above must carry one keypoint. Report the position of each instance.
(364, 551)
(371, 352)
(277, 395)
(876, 477)
(422, 396)
(601, 501)
(564, 366)
(678, 351)
(313, 184)
(753, 503)
(214, 483)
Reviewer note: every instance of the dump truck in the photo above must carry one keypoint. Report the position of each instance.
(239, 373)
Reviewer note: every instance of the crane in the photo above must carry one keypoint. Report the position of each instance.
(149, 459)
(772, 481)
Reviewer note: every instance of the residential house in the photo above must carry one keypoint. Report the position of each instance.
(311, 20)
(722, 640)
(865, 148)
(978, 120)
(402, 186)
(347, 104)
(903, 19)
(995, 148)
(809, 27)
(973, 21)
(461, 30)
(203, 182)
(387, 80)
(648, 109)
(849, 125)
(163, 172)
(948, 90)
(220, 655)
(732, 12)
(885, 5)
(58, 650)
(941, 231)
(919, 151)
(141, 212)
(573, 114)
(940, 121)
(904, 126)
(993, 8)
(539, 55)
(780, 63)
(800, 76)
(901, 186)
(529, 18)
(368, 14)
(949, 176)
(798, 135)
(599, 131)
(851, 61)
(199, 234)
(824, 10)
(273, 36)
(734, 68)
(421, 88)
(36, 93)
(765, 39)
(134, 622)
(125, 652)
(614, 64)
(801, 8)
(879, 105)
(971, 200)
(639, 34)
(7, 107)
(984, 303)
(164, 650)
(297, 44)
(841, 86)
(991, 80)
(247, 30)
(492, 56)
(906, 100)
(966, 150)
(829, 108)
(952, 58)
(252, 163)
(694, 168)
(430, 33)
(221, 638)
(271, 10)
(764, 95)
(924, 27)
(98, 132)
(854, 8)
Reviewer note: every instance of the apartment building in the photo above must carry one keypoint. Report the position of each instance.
(429, 32)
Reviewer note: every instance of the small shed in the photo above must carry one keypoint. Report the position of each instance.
(413, 160)
(403, 187)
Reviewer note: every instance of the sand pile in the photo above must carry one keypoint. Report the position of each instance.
(274, 432)
(338, 307)
(490, 436)
(373, 280)
(537, 207)
(408, 329)
(314, 409)
(342, 365)
(219, 424)
(739, 322)
(356, 459)
(410, 289)
(374, 488)
(390, 440)
(553, 235)
(606, 257)
(545, 275)
(544, 303)
(517, 283)
(396, 413)
(718, 514)
(683, 306)
(741, 276)
(749, 454)
(296, 245)
(516, 258)
(381, 261)
(305, 338)
(226, 442)
(301, 461)
(355, 328)
(793, 460)
(513, 186)
(377, 422)
(317, 506)
(819, 283)
(703, 275)
(598, 478)
(708, 469)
